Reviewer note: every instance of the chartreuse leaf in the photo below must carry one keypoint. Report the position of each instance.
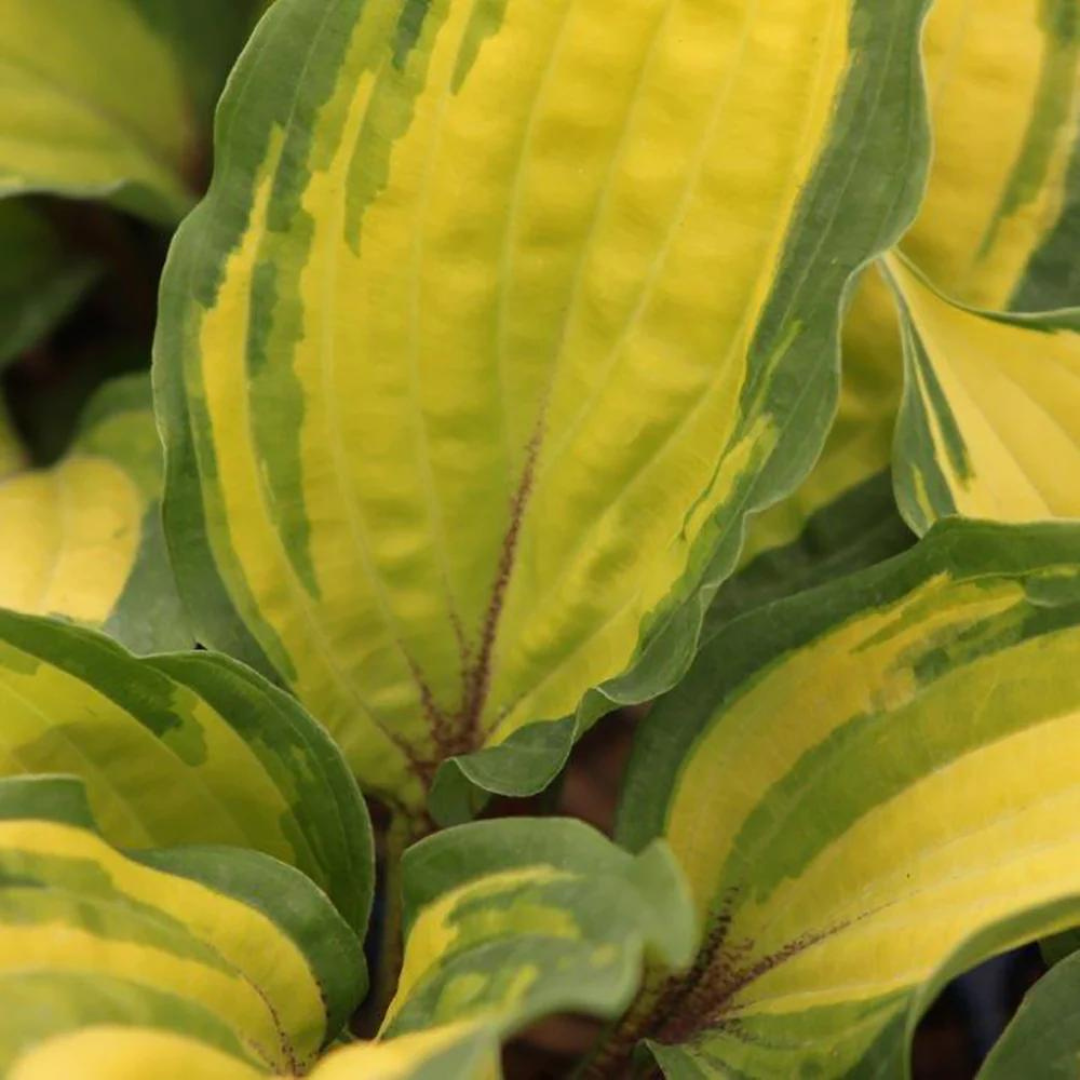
(870, 788)
(999, 225)
(114, 99)
(183, 749)
(1043, 1040)
(497, 321)
(206, 36)
(94, 104)
(990, 425)
(278, 974)
(83, 539)
(40, 279)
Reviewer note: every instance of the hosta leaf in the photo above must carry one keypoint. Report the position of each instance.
(95, 103)
(83, 539)
(859, 445)
(45, 1008)
(280, 972)
(990, 425)
(497, 321)
(113, 99)
(464, 1051)
(860, 528)
(106, 1052)
(1043, 1040)
(183, 749)
(997, 229)
(40, 280)
(117, 1052)
(870, 788)
(1001, 219)
(207, 36)
(509, 920)
(844, 516)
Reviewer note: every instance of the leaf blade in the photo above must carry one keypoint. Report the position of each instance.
(73, 908)
(1041, 1040)
(990, 423)
(187, 749)
(356, 454)
(84, 540)
(514, 919)
(1001, 196)
(75, 72)
(855, 843)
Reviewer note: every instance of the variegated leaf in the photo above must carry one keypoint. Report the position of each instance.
(54, 1024)
(990, 426)
(1001, 219)
(107, 1051)
(183, 749)
(844, 516)
(998, 229)
(992, 415)
(497, 321)
(461, 1050)
(870, 788)
(241, 947)
(510, 920)
(83, 539)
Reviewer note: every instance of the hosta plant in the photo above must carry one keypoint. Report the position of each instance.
(515, 364)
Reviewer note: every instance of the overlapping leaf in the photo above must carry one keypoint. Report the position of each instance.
(998, 230)
(183, 749)
(990, 425)
(94, 103)
(497, 321)
(992, 414)
(229, 946)
(870, 788)
(1043, 1040)
(510, 920)
(844, 516)
(998, 226)
(83, 539)
(112, 99)
(113, 1052)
